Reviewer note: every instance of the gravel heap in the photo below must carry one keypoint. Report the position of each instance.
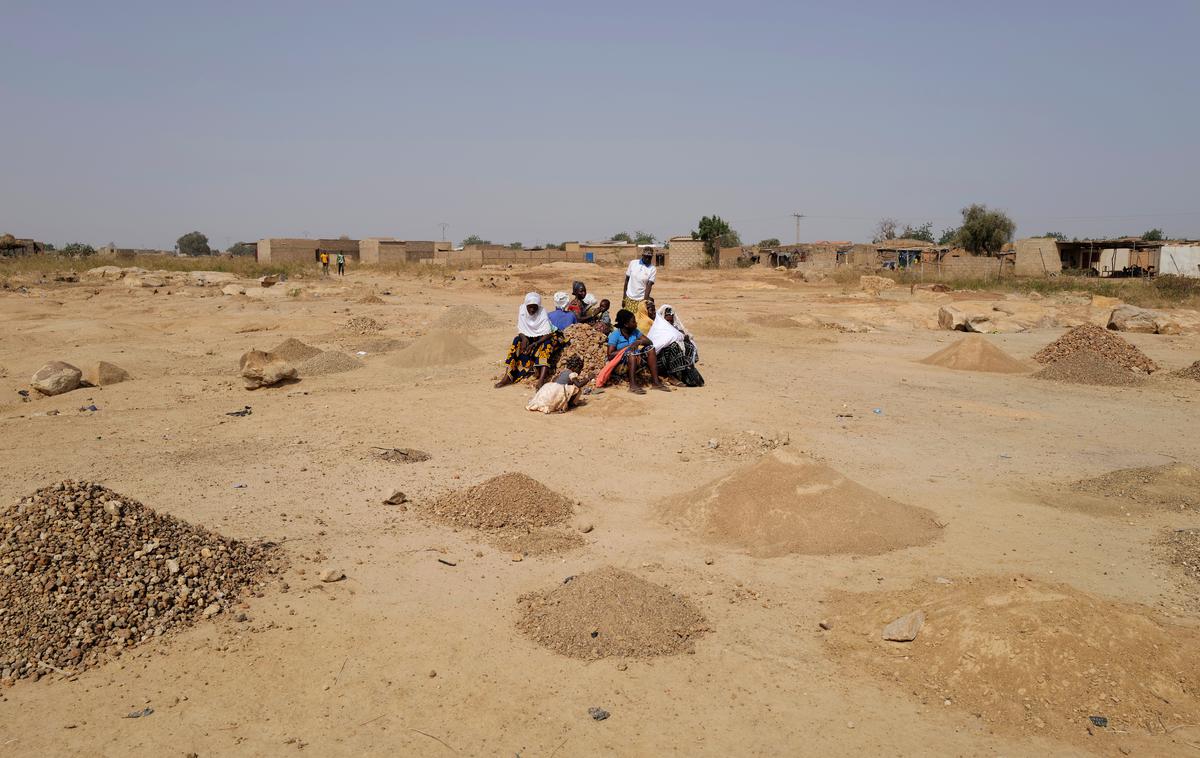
(85, 572)
(588, 344)
(1090, 368)
(609, 612)
(361, 326)
(504, 501)
(1191, 372)
(329, 362)
(1090, 338)
(372, 299)
(464, 318)
(1182, 547)
(294, 351)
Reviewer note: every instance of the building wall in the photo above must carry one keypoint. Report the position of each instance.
(1037, 256)
(1183, 260)
(685, 252)
(300, 250)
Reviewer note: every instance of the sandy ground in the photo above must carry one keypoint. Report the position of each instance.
(348, 668)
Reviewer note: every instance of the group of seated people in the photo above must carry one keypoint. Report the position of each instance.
(652, 342)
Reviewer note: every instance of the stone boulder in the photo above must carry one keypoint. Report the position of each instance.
(875, 284)
(814, 276)
(262, 369)
(906, 628)
(956, 319)
(233, 289)
(150, 281)
(103, 373)
(1165, 324)
(210, 278)
(1130, 318)
(56, 377)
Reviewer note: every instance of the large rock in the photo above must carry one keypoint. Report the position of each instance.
(1167, 325)
(233, 289)
(103, 373)
(210, 278)
(145, 280)
(1130, 318)
(956, 319)
(875, 284)
(905, 628)
(56, 377)
(261, 369)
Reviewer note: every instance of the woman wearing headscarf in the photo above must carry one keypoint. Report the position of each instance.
(645, 315)
(560, 316)
(578, 303)
(676, 350)
(536, 347)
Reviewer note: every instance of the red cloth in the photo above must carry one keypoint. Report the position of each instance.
(606, 372)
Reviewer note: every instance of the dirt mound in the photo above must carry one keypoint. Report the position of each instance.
(1191, 372)
(85, 572)
(464, 318)
(783, 504)
(372, 300)
(1090, 368)
(401, 454)
(537, 541)
(294, 351)
(438, 348)
(1090, 338)
(609, 612)
(1028, 656)
(507, 500)
(975, 353)
(361, 326)
(1182, 548)
(328, 362)
(1173, 487)
(588, 344)
(775, 321)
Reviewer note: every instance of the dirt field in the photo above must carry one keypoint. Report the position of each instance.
(419, 650)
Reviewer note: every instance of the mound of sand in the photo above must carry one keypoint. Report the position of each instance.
(775, 321)
(464, 318)
(86, 572)
(1027, 656)
(372, 299)
(1174, 487)
(507, 500)
(975, 353)
(609, 612)
(1090, 368)
(438, 348)
(294, 351)
(1090, 338)
(784, 504)
(1191, 372)
(329, 362)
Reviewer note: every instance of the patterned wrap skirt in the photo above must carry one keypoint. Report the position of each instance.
(678, 360)
(519, 365)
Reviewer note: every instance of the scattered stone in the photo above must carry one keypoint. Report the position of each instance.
(432, 674)
(233, 289)
(261, 369)
(1130, 318)
(875, 284)
(708, 561)
(332, 575)
(622, 666)
(1191, 372)
(403, 455)
(103, 373)
(585, 528)
(905, 628)
(212, 610)
(56, 377)
(597, 714)
(517, 558)
(361, 326)
(396, 498)
(825, 624)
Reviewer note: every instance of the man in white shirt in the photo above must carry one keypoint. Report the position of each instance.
(639, 280)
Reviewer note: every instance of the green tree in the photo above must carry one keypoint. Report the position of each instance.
(515, 246)
(985, 231)
(621, 237)
(193, 244)
(241, 249)
(769, 242)
(923, 232)
(716, 234)
(78, 249)
(643, 238)
(949, 236)
(885, 229)
(1056, 235)
(475, 239)
(1154, 235)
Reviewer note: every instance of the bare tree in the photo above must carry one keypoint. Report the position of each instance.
(886, 229)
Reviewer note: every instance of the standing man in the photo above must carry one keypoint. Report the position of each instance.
(324, 265)
(639, 280)
(341, 262)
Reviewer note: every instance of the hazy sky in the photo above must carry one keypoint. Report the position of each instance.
(137, 122)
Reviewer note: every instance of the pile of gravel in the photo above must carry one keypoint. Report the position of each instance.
(361, 326)
(504, 501)
(588, 344)
(1182, 547)
(1090, 368)
(1191, 372)
(328, 362)
(1090, 338)
(86, 573)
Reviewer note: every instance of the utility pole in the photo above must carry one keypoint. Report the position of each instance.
(443, 225)
(797, 216)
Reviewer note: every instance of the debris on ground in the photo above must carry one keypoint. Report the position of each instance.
(245, 411)
(103, 374)
(906, 628)
(597, 714)
(86, 572)
(402, 454)
(396, 498)
(609, 612)
(332, 575)
(1182, 550)
(361, 326)
(1090, 368)
(1090, 338)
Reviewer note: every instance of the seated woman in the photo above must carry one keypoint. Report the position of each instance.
(536, 347)
(560, 317)
(638, 352)
(596, 314)
(645, 315)
(677, 352)
(563, 393)
(578, 304)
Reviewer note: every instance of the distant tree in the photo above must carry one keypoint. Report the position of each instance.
(1154, 235)
(985, 231)
(475, 239)
(621, 237)
(193, 244)
(885, 230)
(8, 242)
(242, 249)
(923, 232)
(1056, 235)
(716, 234)
(769, 242)
(643, 238)
(949, 236)
(78, 250)
(515, 246)
(48, 247)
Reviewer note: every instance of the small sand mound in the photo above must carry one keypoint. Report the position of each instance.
(783, 505)
(464, 318)
(1174, 487)
(609, 612)
(328, 362)
(507, 500)
(775, 322)
(588, 344)
(438, 348)
(1028, 657)
(1090, 368)
(372, 299)
(1191, 372)
(294, 351)
(1090, 338)
(975, 353)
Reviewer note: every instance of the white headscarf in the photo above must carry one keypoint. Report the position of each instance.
(678, 321)
(589, 299)
(537, 325)
(561, 299)
(662, 333)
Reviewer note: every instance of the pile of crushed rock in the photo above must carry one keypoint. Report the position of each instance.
(361, 326)
(86, 573)
(588, 344)
(517, 513)
(1191, 372)
(1100, 342)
